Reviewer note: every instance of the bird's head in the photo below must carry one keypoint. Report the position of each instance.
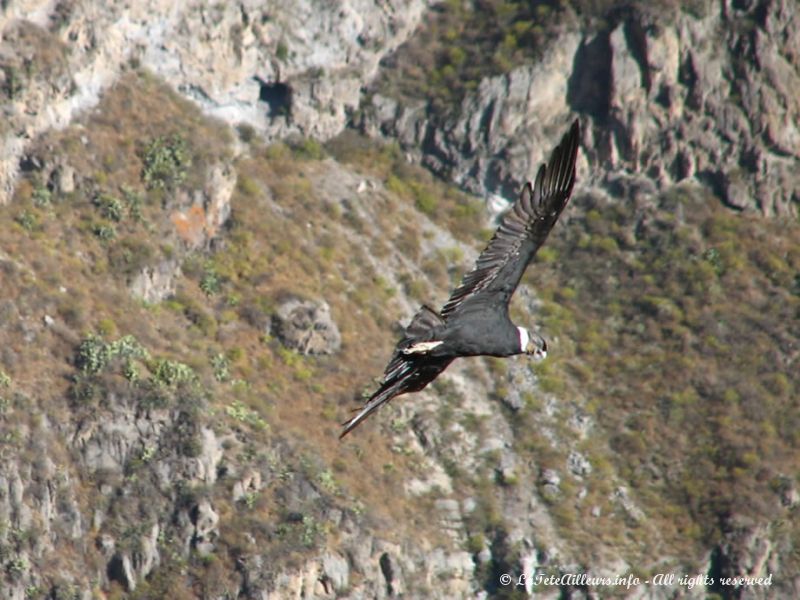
(532, 344)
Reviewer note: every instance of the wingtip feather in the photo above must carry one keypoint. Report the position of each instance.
(354, 422)
(378, 398)
(563, 160)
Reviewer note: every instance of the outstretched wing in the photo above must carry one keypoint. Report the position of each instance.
(523, 229)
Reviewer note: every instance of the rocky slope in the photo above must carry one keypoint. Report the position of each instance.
(296, 69)
(190, 307)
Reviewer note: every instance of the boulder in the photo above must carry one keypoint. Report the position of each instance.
(206, 530)
(157, 282)
(306, 326)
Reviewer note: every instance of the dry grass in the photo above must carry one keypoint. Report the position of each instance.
(273, 253)
(679, 338)
(284, 238)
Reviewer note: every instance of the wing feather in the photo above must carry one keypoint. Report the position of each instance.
(403, 375)
(522, 229)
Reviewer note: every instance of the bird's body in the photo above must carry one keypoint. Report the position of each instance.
(475, 320)
(479, 333)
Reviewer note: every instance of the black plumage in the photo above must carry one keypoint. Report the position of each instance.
(475, 321)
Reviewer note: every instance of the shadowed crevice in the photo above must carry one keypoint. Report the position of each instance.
(277, 95)
(589, 86)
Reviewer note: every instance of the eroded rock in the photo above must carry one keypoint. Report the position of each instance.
(307, 326)
(320, 51)
(205, 520)
(157, 282)
(691, 95)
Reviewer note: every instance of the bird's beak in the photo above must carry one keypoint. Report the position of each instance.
(537, 349)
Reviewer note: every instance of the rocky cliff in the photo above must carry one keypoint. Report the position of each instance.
(281, 69)
(195, 291)
(670, 96)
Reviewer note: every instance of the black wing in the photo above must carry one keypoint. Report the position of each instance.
(405, 372)
(522, 231)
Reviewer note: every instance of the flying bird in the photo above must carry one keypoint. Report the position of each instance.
(475, 321)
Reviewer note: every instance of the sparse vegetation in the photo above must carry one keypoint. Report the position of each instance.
(664, 345)
(172, 373)
(221, 366)
(104, 231)
(210, 282)
(444, 203)
(27, 220)
(165, 162)
(465, 42)
(13, 83)
(239, 412)
(42, 197)
(110, 207)
(281, 51)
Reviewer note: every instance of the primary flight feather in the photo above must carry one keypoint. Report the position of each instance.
(475, 321)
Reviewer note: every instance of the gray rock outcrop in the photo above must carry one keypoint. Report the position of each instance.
(713, 98)
(155, 283)
(282, 68)
(307, 326)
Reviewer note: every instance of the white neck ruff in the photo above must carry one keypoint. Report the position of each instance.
(524, 338)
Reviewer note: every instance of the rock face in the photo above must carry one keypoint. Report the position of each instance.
(294, 68)
(198, 216)
(155, 283)
(713, 98)
(127, 566)
(307, 326)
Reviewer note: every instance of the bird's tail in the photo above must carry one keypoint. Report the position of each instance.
(402, 374)
(382, 396)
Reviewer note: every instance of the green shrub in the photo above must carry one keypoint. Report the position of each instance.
(221, 366)
(134, 201)
(239, 411)
(27, 220)
(210, 282)
(247, 132)
(166, 161)
(42, 197)
(247, 186)
(104, 231)
(308, 149)
(281, 51)
(425, 200)
(171, 373)
(13, 82)
(110, 207)
(92, 355)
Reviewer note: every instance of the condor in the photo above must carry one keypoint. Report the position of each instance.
(475, 321)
